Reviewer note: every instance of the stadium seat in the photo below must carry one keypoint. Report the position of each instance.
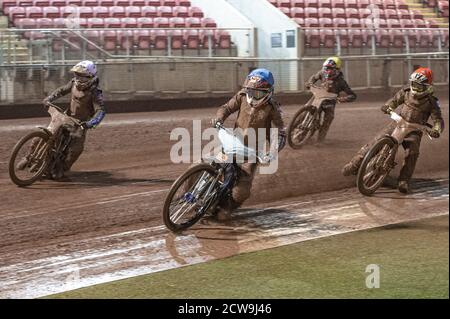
(284, 4)
(286, 11)
(44, 23)
(391, 14)
(297, 12)
(193, 22)
(327, 38)
(389, 4)
(93, 36)
(300, 21)
(397, 38)
(338, 4)
(404, 14)
(159, 38)
(401, 5)
(339, 13)
(100, 12)
(223, 39)
(177, 22)
(297, 3)
(106, 3)
(34, 12)
(352, 13)
(407, 23)
(125, 39)
(311, 3)
(325, 13)
(340, 22)
(356, 38)
(91, 3)
(117, 12)
(383, 38)
(108, 39)
(394, 23)
(364, 13)
(128, 22)
(420, 23)
(312, 22)
(351, 4)
(57, 3)
(180, 12)
(26, 23)
(325, 22)
(154, 3)
(143, 39)
(354, 23)
(133, 11)
(325, 4)
(161, 22)
(184, 3)
(77, 3)
(362, 4)
(59, 23)
(176, 39)
(86, 12)
(51, 12)
(148, 11)
(195, 12)
(164, 11)
(311, 13)
(343, 38)
(137, 3)
(145, 22)
(312, 38)
(206, 36)
(208, 23)
(191, 39)
(170, 3)
(112, 22)
(96, 23)
(41, 3)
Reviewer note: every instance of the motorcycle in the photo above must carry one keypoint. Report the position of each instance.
(201, 188)
(309, 117)
(41, 151)
(380, 159)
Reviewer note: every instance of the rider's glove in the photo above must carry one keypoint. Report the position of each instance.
(387, 109)
(216, 123)
(307, 86)
(84, 125)
(46, 102)
(342, 99)
(268, 158)
(435, 133)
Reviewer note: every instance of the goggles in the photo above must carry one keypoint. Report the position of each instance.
(419, 87)
(256, 94)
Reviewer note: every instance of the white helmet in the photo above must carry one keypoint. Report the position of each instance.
(85, 68)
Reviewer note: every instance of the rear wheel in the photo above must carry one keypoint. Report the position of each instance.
(301, 127)
(190, 196)
(29, 158)
(376, 166)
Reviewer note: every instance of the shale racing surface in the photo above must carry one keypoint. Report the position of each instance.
(104, 221)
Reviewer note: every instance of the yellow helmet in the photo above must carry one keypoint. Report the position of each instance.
(333, 61)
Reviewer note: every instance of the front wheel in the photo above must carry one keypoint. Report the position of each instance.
(29, 158)
(190, 196)
(376, 166)
(301, 127)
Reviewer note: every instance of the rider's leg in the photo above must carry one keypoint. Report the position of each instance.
(412, 147)
(327, 120)
(240, 191)
(76, 147)
(351, 168)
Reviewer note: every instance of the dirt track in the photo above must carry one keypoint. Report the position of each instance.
(120, 182)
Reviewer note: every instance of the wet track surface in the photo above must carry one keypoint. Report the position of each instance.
(103, 222)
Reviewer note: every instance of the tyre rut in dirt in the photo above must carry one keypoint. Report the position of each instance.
(369, 178)
(293, 129)
(40, 151)
(201, 172)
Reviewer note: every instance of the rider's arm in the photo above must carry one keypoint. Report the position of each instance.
(436, 115)
(279, 142)
(350, 95)
(313, 79)
(394, 102)
(61, 91)
(99, 109)
(230, 107)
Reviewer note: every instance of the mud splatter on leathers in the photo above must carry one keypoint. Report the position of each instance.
(413, 110)
(85, 105)
(263, 116)
(336, 85)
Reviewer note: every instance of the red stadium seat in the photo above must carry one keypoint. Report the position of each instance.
(191, 38)
(206, 36)
(352, 13)
(16, 13)
(351, 4)
(328, 39)
(404, 14)
(51, 12)
(77, 3)
(93, 36)
(177, 22)
(354, 23)
(416, 14)
(133, 12)
(106, 3)
(170, 3)
(195, 12)
(145, 22)
(176, 39)
(394, 23)
(284, 4)
(137, 3)
(389, 4)
(383, 38)
(362, 4)
(41, 3)
(112, 22)
(401, 4)
(164, 12)
(161, 22)
(311, 13)
(325, 4)
(343, 38)
(90, 3)
(57, 3)
(125, 39)
(325, 22)
(407, 23)
(96, 23)
(193, 22)
(117, 12)
(413, 38)
(44, 23)
(420, 23)
(143, 38)
(109, 39)
(159, 38)
(397, 38)
(26, 23)
(364, 13)
(300, 21)
(356, 38)
(100, 12)
(339, 13)
(312, 38)
(155, 3)
(432, 23)
(340, 22)
(312, 22)
(425, 37)
(148, 11)
(180, 12)
(297, 12)
(391, 14)
(311, 3)
(208, 23)
(184, 3)
(86, 12)
(223, 39)
(325, 13)
(338, 4)
(297, 3)
(128, 22)
(59, 23)
(34, 12)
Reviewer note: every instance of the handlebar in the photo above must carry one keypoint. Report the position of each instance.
(60, 110)
(422, 127)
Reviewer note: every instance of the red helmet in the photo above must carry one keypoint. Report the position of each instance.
(421, 82)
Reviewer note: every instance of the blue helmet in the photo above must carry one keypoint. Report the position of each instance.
(259, 87)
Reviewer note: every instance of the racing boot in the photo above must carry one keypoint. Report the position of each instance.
(403, 187)
(352, 167)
